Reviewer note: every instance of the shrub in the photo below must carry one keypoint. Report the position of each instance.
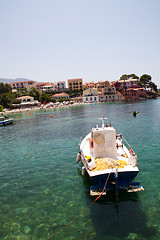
(1, 108)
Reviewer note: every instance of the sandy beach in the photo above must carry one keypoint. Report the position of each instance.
(37, 108)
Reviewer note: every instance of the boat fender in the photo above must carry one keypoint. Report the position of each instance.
(91, 143)
(88, 158)
(78, 157)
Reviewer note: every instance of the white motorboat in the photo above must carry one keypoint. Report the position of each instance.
(5, 121)
(108, 162)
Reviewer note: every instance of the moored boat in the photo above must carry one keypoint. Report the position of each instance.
(5, 121)
(108, 161)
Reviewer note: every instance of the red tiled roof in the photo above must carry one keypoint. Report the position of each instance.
(22, 82)
(74, 80)
(41, 84)
(60, 94)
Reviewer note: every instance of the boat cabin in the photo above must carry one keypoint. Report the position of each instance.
(103, 143)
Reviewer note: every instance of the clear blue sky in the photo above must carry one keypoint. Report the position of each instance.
(54, 40)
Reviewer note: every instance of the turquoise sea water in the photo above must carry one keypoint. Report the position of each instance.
(41, 186)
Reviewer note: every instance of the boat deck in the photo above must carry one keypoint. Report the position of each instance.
(108, 163)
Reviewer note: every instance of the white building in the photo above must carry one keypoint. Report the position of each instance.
(49, 87)
(27, 101)
(61, 85)
(90, 95)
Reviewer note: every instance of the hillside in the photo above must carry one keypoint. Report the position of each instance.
(7, 80)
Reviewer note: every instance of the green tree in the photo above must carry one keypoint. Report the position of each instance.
(44, 97)
(53, 100)
(21, 92)
(1, 108)
(127, 76)
(6, 99)
(124, 77)
(145, 79)
(153, 86)
(34, 93)
(61, 100)
(133, 76)
(5, 88)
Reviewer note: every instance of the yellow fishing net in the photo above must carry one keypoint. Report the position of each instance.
(108, 163)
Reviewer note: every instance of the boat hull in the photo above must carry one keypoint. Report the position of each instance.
(6, 122)
(111, 181)
(122, 177)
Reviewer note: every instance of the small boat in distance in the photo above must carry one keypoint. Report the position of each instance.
(108, 162)
(5, 121)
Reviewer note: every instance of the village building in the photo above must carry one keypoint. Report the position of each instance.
(134, 93)
(49, 87)
(125, 84)
(109, 94)
(26, 101)
(78, 99)
(75, 84)
(62, 95)
(39, 86)
(61, 85)
(89, 85)
(90, 95)
(23, 84)
(101, 84)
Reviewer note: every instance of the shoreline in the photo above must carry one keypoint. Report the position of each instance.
(29, 109)
(45, 107)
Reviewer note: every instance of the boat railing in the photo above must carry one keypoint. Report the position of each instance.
(131, 151)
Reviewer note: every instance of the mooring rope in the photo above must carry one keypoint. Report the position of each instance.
(82, 210)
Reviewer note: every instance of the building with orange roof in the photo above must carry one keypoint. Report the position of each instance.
(61, 85)
(134, 93)
(109, 94)
(23, 84)
(75, 84)
(90, 95)
(89, 85)
(63, 95)
(101, 84)
(40, 85)
(49, 87)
